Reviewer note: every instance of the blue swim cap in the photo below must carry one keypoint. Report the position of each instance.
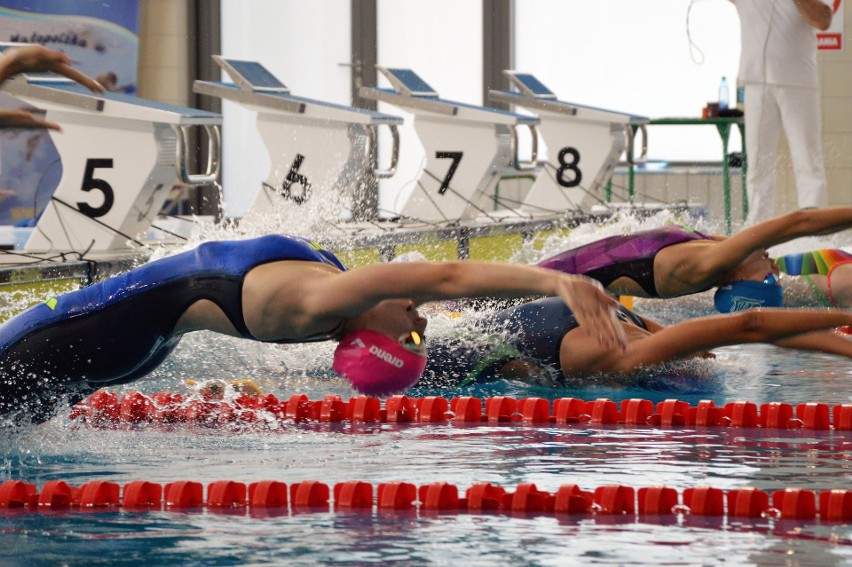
(745, 294)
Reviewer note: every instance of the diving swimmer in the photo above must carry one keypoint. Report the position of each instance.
(540, 342)
(276, 288)
(673, 261)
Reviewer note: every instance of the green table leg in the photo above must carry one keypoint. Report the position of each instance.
(724, 132)
(630, 175)
(744, 167)
(630, 168)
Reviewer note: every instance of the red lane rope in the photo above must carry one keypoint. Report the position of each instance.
(483, 497)
(106, 409)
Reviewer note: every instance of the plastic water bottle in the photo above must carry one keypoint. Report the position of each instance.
(724, 95)
(740, 95)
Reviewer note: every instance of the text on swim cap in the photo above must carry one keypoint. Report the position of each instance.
(386, 356)
(739, 303)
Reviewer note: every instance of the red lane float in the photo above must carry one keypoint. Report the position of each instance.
(480, 498)
(309, 494)
(142, 494)
(267, 494)
(183, 494)
(704, 501)
(569, 499)
(105, 409)
(396, 496)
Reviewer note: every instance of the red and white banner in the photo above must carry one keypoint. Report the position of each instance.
(832, 38)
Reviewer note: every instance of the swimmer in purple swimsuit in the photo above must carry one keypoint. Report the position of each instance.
(274, 289)
(674, 261)
(629, 256)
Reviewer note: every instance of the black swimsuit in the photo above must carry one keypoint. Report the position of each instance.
(122, 328)
(532, 331)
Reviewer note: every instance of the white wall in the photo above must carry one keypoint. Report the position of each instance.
(636, 57)
(304, 45)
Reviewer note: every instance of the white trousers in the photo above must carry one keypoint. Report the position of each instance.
(767, 109)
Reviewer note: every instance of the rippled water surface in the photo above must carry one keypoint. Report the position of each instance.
(501, 454)
(504, 455)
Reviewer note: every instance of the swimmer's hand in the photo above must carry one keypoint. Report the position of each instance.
(24, 119)
(40, 58)
(593, 308)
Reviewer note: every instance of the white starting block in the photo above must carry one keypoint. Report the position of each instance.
(121, 155)
(321, 153)
(467, 148)
(583, 145)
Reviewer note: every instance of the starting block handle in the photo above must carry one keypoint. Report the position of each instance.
(214, 145)
(372, 131)
(630, 130)
(518, 164)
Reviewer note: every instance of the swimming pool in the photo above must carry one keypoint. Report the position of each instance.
(504, 454)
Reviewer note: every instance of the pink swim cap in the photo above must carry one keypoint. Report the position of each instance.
(376, 364)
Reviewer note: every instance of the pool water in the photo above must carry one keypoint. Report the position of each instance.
(502, 454)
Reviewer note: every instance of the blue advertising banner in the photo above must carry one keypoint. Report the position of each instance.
(102, 40)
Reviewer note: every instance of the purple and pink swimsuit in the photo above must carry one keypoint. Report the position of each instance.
(629, 255)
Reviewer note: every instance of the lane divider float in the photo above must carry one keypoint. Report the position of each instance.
(482, 497)
(106, 409)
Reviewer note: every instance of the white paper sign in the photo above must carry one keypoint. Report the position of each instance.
(832, 38)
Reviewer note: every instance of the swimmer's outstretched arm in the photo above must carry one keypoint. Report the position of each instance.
(37, 58)
(353, 292)
(24, 119)
(730, 252)
(828, 342)
(580, 356)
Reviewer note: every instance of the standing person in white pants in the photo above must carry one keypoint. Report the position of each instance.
(779, 69)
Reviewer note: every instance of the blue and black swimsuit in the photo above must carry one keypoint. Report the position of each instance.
(122, 328)
(531, 332)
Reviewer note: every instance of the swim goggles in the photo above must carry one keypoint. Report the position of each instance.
(413, 342)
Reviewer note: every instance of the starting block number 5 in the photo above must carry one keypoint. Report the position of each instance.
(92, 183)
